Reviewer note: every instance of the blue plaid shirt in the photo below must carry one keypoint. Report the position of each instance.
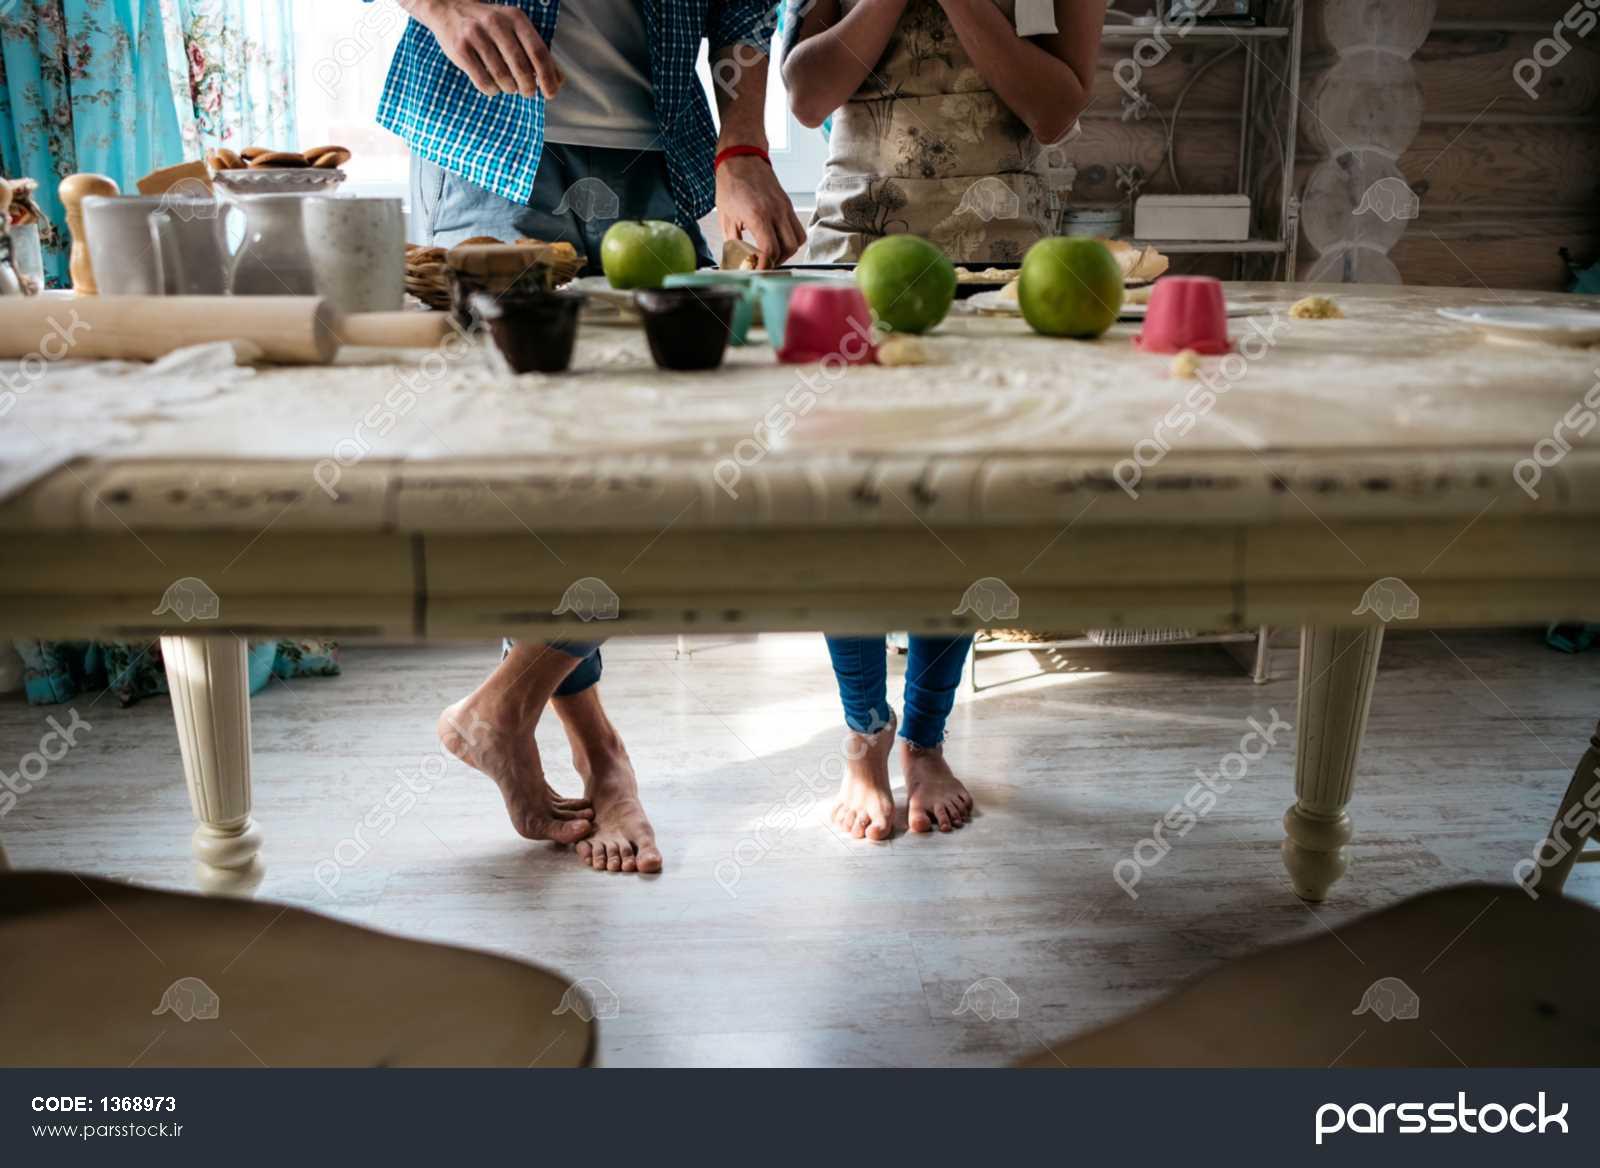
(496, 142)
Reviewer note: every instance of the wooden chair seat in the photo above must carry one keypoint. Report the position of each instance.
(1476, 975)
(103, 974)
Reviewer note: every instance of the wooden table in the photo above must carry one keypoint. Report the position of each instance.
(1333, 474)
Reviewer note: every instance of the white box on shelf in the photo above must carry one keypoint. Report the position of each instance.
(1210, 218)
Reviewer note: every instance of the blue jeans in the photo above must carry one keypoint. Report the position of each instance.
(572, 201)
(579, 192)
(581, 678)
(933, 671)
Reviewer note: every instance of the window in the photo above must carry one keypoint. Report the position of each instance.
(343, 54)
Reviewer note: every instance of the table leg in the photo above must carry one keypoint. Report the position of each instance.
(1574, 825)
(1337, 670)
(211, 703)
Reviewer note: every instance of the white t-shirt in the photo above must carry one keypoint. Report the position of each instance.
(606, 101)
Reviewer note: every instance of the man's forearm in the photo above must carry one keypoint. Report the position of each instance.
(739, 74)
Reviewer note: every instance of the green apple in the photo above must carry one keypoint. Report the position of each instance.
(640, 253)
(909, 282)
(1070, 287)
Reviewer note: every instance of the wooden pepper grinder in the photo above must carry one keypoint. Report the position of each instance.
(74, 190)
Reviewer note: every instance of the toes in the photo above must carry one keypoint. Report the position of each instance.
(919, 821)
(838, 814)
(561, 831)
(878, 829)
(649, 858)
(614, 858)
(598, 861)
(560, 812)
(859, 827)
(942, 816)
(570, 804)
(629, 863)
(584, 849)
(847, 819)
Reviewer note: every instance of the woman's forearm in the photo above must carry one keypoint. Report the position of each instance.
(1040, 84)
(833, 56)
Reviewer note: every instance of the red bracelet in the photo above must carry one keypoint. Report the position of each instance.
(740, 152)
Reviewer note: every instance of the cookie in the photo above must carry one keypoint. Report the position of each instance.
(224, 159)
(278, 160)
(251, 153)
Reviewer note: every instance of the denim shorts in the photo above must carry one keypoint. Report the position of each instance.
(579, 192)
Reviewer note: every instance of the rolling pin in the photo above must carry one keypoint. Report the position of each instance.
(73, 191)
(289, 330)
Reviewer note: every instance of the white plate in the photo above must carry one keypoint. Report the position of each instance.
(1557, 326)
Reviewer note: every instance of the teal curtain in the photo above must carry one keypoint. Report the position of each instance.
(122, 87)
(58, 671)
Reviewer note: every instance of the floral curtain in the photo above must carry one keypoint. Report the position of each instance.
(231, 68)
(122, 87)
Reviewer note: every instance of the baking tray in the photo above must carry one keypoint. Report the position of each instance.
(964, 289)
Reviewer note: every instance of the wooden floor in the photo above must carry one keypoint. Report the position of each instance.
(836, 952)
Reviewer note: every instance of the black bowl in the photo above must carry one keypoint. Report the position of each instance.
(534, 331)
(688, 328)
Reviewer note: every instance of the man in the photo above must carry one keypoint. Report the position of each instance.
(550, 120)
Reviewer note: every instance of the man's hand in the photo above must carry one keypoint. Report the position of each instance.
(750, 198)
(494, 44)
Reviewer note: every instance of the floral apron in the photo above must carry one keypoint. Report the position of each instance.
(925, 147)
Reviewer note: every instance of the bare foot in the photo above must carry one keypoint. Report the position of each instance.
(623, 840)
(866, 805)
(503, 748)
(934, 794)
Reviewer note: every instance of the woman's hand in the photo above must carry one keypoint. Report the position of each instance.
(494, 44)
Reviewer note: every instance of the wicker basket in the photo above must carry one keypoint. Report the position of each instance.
(428, 268)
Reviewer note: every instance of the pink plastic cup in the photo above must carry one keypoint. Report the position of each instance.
(1186, 312)
(827, 322)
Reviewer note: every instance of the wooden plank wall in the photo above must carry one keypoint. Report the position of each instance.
(1503, 180)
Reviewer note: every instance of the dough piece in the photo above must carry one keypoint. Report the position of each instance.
(1186, 365)
(224, 159)
(1137, 263)
(739, 256)
(192, 178)
(1316, 308)
(901, 349)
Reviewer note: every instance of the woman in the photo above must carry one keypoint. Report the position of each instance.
(939, 111)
